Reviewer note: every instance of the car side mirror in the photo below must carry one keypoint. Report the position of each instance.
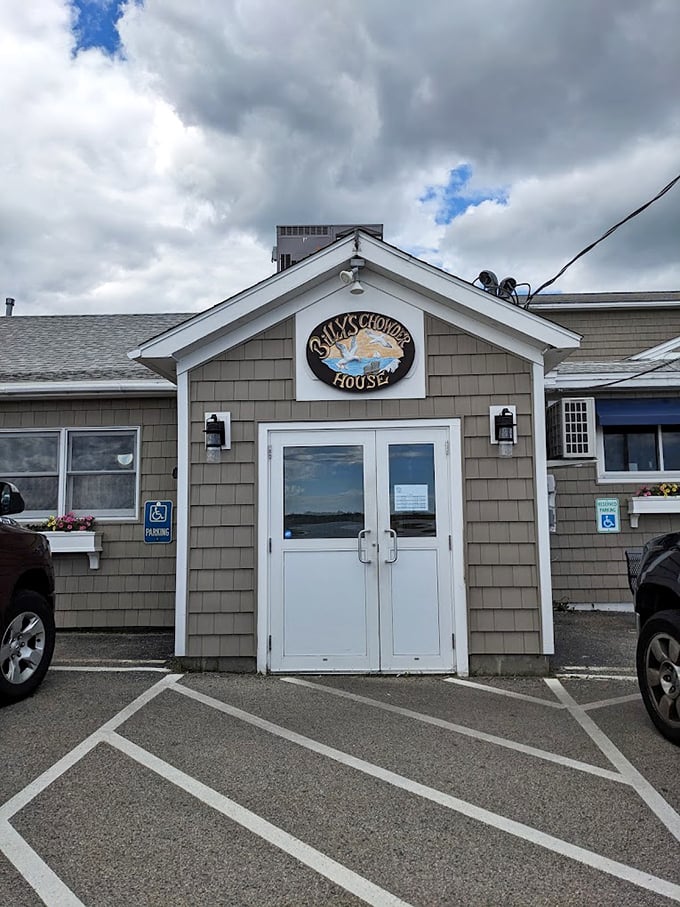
(10, 499)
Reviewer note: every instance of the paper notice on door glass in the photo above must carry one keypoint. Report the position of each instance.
(410, 497)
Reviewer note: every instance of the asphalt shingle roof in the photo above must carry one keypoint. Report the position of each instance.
(78, 347)
(651, 298)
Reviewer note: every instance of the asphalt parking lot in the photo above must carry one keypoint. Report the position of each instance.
(124, 783)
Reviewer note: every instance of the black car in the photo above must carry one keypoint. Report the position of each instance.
(26, 602)
(655, 581)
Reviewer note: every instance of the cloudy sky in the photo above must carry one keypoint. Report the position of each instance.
(150, 148)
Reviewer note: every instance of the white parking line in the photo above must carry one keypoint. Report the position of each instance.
(46, 883)
(615, 700)
(660, 807)
(303, 853)
(111, 670)
(564, 676)
(19, 800)
(22, 856)
(66, 662)
(566, 761)
(510, 693)
(599, 704)
(486, 817)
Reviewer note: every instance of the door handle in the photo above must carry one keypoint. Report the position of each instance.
(393, 553)
(360, 548)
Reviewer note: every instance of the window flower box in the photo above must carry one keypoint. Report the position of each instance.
(76, 542)
(652, 504)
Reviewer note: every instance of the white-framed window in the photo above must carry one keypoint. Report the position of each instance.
(86, 470)
(639, 440)
(639, 453)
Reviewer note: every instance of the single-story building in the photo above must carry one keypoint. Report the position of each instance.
(345, 467)
(613, 414)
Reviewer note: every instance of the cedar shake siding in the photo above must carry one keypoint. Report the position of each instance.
(589, 567)
(615, 334)
(255, 383)
(134, 586)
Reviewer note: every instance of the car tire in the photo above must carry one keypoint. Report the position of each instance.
(27, 637)
(658, 670)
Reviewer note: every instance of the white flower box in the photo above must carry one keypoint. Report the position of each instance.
(76, 542)
(651, 504)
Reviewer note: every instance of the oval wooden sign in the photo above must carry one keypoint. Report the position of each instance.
(360, 351)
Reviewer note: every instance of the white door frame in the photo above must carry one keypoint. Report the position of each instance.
(458, 589)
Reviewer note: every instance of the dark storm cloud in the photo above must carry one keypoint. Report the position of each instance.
(154, 179)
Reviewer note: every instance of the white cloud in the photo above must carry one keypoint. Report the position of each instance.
(153, 181)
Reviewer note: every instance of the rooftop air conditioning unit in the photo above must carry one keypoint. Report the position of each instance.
(571, 428)
(297, 241)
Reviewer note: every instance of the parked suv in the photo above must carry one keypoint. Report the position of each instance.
(657, 602)
(26, 602)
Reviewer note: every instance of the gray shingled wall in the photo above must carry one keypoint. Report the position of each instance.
(255, 382)
(607, 334)
(589, 567)
(135, 583)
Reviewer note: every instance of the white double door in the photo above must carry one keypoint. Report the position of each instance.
(360, 565)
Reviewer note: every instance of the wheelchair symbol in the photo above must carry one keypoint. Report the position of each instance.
(158, 513)
(608, 521)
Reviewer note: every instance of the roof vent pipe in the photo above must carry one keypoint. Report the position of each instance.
(9, 306)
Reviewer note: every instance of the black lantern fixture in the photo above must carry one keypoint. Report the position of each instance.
(214, 437)
(505, 432)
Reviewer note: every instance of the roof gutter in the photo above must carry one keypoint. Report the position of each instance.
(612, 380)
(153, 387)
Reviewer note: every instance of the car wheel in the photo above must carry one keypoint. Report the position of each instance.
(26, 645)
(658, 670)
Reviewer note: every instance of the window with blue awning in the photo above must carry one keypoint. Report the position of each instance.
(635, 411)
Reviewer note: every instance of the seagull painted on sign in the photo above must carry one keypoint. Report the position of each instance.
(379, 339)
(349, 353)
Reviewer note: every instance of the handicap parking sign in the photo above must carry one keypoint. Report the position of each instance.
(158, 521)
(607, 510)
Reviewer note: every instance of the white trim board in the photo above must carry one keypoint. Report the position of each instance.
(542, 519)
(182, 516)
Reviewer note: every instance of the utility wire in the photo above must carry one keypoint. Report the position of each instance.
(646, 371)
(604, 236)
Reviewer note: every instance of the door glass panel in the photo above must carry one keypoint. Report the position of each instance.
(323, 495)
(412, 491)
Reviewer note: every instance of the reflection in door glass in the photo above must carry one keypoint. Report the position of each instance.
(412, 494)
(323, 494)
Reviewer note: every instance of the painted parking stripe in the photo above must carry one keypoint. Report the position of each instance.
(615, 700)
(46, 883)
(510, 693)
(547, 756)
(660, 807)
(486, 817)
(573, 676)
(599, 704)
(102, 669)
(19, 800)
(66, 662)
(303, 853)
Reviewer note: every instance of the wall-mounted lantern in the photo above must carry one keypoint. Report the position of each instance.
(217, 435)
(503, 428)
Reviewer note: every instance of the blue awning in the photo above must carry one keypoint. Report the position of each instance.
(638, 412)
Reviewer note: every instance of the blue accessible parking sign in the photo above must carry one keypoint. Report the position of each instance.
(158, 521)
(607, 510)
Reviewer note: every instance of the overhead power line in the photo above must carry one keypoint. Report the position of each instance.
(604, 236)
